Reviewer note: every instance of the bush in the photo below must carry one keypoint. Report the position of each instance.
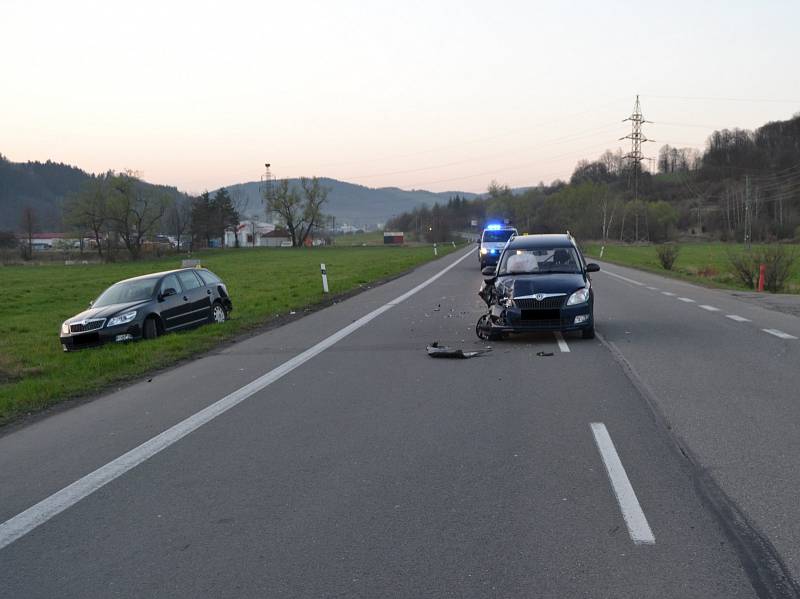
(667, 254)
(777, 260)
(779, 264)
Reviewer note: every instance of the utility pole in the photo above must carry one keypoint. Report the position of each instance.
(635, 156)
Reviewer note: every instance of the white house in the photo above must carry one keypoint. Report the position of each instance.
(249, 234)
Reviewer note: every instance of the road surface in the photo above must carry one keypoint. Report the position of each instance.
(333, 458)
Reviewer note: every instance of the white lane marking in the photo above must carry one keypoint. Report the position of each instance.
(632, 513)
(562, 344)
(709, 308)
(608, 272)
(652, 288)
(668, 293)
(26, 521)
(737, 318)
(778, 333)
(688, 300)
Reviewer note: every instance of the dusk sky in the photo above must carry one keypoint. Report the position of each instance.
(432, 95)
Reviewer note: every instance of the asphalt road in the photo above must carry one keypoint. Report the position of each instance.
(368, 469)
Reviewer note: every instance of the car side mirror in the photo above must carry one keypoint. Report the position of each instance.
(592, 267)
(489, 272)
(167, 292)
(91, 303)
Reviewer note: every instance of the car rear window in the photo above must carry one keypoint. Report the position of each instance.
(209, 278)
(498, 236)
(188, 280)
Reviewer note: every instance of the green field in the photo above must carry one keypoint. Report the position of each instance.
(704, 263)
(35, 373)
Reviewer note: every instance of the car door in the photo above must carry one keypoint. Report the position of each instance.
(173, 308)
(195, 293)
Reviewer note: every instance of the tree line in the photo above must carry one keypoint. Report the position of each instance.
(745, 184)
(119, 209)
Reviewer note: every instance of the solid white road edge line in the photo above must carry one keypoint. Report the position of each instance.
(26, 521)
(709, 308)
(608, 272)
(632, 513)
(737, 318)
(562, 344)
(778, 333)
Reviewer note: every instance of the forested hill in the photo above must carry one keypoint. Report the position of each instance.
(745, 185)
(349, 203)
(41, 186)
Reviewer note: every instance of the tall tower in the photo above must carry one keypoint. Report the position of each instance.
(637, 138)
(266, 188)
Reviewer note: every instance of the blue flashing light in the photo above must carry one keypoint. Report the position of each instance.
(494, 227)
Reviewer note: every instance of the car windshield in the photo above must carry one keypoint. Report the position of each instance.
(497, 236)
(538, 261)
(126, 291)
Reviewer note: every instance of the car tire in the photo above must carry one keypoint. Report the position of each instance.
(150, 328)
(218, 313)
(588, 333)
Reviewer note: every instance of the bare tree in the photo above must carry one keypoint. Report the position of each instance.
(134, 211)
(87, 211)
(285, 201)
(28, 222)
(179, 218)
(315, 195)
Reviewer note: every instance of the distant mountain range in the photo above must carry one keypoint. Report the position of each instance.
(43, 186)
(350, 203)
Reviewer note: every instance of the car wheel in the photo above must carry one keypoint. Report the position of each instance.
(150, 330)
(588, 333)
(218, 314)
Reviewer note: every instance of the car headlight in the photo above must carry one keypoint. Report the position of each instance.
(64, 328)
(122, 319)
(581, 296)
(484, 251)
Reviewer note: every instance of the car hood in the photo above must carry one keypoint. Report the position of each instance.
(544, 283)
(105, 311)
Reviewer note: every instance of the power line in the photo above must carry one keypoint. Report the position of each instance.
(722, 99)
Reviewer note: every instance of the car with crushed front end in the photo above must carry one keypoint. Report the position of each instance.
(541, 283)
(148, 306)
(492, 241)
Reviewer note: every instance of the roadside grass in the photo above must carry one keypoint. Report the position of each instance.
(263, 282)
(703, 263)
(353, 239)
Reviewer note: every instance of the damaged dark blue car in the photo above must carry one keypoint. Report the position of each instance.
(540, 283)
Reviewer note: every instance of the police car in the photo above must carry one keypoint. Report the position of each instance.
(493, 240)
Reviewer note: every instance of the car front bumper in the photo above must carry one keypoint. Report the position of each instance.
(122, 333)
(516, 320)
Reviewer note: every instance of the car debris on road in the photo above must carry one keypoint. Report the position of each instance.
(442, 351)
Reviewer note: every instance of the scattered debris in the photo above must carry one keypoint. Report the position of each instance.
(544, 353)
(437, 308)
(442, 351)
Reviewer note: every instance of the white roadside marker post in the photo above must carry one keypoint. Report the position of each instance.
(324, 278)
(435, 250)
(602, 249)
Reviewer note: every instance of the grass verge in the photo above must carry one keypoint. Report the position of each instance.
(703, 263)
(264, 283)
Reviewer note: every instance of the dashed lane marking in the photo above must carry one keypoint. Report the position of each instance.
(632, 513)
(779, 334)
(688, 300)
(562, 344)
(668, 293)
(709, 308)
(608, 272)
(737, 318)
